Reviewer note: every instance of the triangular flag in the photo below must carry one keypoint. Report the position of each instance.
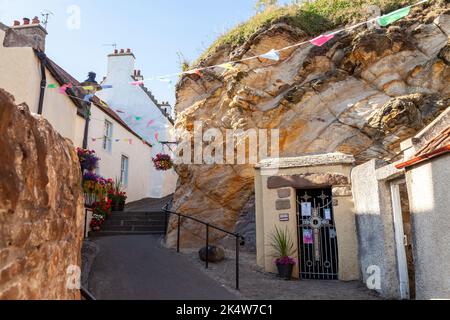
(52, 86)
(107, 86)
(120, 111)
(195, 71)
(157, 136)
(150, 123)
(88, 88)
(130, 141)
(394, 16)
(64, 88)
(137, 83)
(321, 40)
(94, 139)
(117, 140)
(138, 118)
(228, 66)
(271, 55)
(88, 97)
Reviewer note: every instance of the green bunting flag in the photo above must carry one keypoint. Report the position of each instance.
(394, 16)
(52, 86)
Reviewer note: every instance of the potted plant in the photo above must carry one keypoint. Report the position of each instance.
(88, 159)
(163, 162)
(96, 222)
(283, 247)
(117, 195)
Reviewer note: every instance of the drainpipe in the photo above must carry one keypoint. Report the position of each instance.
(87, 118)
(42, 57)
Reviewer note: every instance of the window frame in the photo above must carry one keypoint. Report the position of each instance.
(124, 169)
(107, 136)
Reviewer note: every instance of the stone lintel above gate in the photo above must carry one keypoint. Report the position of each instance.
(308, 180)
(306, 161)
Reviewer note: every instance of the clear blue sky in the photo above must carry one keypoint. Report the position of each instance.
(154, 29)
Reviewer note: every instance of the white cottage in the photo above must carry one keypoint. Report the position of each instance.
(139, 109)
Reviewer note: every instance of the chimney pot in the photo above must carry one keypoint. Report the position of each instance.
(128, 50)
(36, 20)
(26, 21)
(122, 51)
(16, 23)
(116, 51)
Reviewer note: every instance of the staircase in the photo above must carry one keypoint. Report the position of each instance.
(133, 223)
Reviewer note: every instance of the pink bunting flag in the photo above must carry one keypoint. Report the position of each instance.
(64, 88)
(150, 123)
(322, 39)
(94, 139)
(130, 141)
(157, 136)
(137, 83)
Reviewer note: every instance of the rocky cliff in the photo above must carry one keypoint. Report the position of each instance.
(41, 207)
(362, 93)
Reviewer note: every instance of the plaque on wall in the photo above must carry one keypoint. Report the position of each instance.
(327, 214)
(284, 217)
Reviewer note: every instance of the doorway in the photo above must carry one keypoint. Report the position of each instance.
(318, 254)
(403, 239)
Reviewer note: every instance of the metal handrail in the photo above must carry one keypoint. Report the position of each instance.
(240, 240)
(87, 295)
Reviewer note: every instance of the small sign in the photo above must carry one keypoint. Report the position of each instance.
(284, 217)
(308, 236)
(327, 213)
(306, 209)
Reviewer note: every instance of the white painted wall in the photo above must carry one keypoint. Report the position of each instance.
(135, 102)
(138, 153)
(20, 75)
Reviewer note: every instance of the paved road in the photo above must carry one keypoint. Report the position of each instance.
(137, 268)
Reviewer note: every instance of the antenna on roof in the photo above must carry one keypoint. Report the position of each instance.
(110, 45)
(46, 15)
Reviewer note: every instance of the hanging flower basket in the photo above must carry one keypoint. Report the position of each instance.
(88, 159)
(163, 162)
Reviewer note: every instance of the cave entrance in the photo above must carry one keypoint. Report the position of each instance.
(317, 236)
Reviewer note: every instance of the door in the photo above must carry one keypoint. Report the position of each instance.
(403, 239)
(318, 254)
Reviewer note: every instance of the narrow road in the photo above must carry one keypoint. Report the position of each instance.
(137, 268)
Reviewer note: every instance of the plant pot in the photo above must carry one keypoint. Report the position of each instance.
(122, 205)
(285, 271)
(118, 206)
(89, 199)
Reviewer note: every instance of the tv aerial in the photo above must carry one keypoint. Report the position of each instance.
(114, 45)
(46, 14)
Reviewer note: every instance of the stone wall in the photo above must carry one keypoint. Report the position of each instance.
(41, 207)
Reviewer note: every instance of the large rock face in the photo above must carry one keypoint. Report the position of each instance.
(362, 93)
(41, 207)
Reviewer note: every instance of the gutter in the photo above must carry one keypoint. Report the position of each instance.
(43, 59)
(423, 157)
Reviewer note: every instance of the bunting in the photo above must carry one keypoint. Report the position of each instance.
(394, 16)
(321, 40)
(271, 55)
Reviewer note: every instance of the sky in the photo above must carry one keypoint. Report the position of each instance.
(155, 30)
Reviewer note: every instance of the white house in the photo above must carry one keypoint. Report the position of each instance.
(26, 72)
(142, 112)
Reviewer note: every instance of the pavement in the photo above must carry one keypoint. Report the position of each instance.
(137, 267)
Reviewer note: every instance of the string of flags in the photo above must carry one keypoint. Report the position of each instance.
(130, 141)
(273, 54)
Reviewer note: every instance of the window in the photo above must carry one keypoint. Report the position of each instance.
(124, 170)
(107, 136)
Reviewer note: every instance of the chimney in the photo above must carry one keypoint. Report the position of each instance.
(121, 65)
(29, 34)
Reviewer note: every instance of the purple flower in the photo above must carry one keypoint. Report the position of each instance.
(89, 176)
(285, 261)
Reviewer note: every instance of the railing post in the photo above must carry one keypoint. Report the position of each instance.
(178, 234)
(85, 222)
(237, 262)
(207, 246)
(166, 221)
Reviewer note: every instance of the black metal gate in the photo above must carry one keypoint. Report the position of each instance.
(318, 255)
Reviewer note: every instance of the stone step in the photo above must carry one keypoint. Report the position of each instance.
(136, 218)
(103, 233)
(133, 228)
(158, 223)
(138, 215)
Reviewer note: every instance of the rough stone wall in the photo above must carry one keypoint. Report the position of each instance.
(362, 93)
(41, 206)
